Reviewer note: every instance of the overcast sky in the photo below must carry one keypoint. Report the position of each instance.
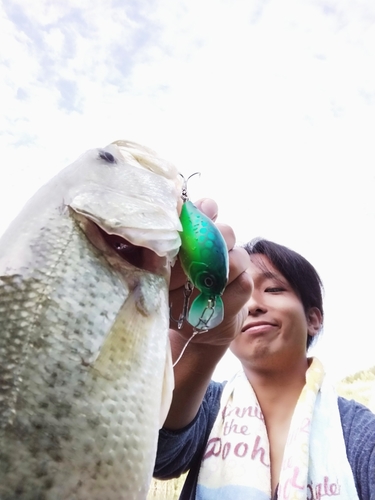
(273, 102)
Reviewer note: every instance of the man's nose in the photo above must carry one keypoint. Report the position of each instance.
(255, 305)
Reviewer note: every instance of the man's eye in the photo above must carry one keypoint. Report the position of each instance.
(275, 289)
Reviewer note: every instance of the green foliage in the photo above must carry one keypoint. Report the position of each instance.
(359, 386)
(166, 490)
(365, 375)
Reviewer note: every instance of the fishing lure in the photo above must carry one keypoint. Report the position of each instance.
(204, 259)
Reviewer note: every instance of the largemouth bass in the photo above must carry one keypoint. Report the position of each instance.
(85, 366)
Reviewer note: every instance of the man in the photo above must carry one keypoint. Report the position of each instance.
(277, 429)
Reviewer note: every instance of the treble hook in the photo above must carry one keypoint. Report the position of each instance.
(202, 321)
(189, 287)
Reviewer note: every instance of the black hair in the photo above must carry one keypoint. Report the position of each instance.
(298, 271)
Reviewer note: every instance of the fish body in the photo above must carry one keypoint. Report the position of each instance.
(85, 369)
(204, 259)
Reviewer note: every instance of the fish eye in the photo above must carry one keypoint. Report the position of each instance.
(108, 157)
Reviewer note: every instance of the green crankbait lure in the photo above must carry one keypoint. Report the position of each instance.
(204, 259)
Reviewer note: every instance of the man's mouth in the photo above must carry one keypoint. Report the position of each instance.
(258, 327)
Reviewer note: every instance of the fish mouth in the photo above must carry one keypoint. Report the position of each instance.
(138, 256)
(125, 249)
(119, 251)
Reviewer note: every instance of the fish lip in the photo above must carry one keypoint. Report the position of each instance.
(256, 323)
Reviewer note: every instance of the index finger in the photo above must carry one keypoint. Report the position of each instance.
(208, 207)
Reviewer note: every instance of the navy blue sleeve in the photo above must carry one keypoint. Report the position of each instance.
(179, 450)
(358, 424)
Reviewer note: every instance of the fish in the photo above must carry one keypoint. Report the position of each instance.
(86, 374)
(204, 258)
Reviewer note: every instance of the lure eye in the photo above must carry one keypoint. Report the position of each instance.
(208, 281)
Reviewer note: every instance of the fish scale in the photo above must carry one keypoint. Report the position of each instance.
(83, 350)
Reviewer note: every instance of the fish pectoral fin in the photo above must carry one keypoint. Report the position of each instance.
(202, 315)
(123, 340)
(168, 386)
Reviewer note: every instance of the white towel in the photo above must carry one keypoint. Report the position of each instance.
(236, 463)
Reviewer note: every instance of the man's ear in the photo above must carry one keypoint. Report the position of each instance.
(314, 321)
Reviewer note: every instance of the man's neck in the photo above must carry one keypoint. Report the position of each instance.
(278, 390)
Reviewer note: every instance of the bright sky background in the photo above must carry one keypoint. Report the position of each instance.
(272, 101)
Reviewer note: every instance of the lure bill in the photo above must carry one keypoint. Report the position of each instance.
(204, 259)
